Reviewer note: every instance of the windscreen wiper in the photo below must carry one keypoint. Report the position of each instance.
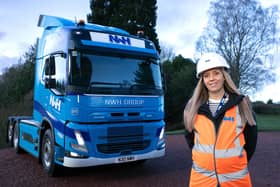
(105, 83)
(146, 86)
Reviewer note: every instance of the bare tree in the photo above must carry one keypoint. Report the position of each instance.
(245, 34)
(166, 53)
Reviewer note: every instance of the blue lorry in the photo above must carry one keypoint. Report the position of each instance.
(98, 98)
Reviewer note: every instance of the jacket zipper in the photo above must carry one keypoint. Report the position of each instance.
(214, 155)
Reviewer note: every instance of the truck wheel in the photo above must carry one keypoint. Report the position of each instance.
(10, 132)
(16, 138)
(47, 154)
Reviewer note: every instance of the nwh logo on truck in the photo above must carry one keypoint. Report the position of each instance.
(124, 102)
(119, 39)
(55, 102)
(115, 39)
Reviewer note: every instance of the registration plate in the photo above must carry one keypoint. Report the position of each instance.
(125, 159)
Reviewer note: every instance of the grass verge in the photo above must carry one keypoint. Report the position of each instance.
(264, 123)
(268, 122)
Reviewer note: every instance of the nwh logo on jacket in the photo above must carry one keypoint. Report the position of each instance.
(229, 118)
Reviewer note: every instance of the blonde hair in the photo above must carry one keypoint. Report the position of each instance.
(200, 96)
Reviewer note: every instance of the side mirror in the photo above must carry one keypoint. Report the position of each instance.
(163, 80)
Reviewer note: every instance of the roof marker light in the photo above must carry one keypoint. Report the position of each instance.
(81, 22)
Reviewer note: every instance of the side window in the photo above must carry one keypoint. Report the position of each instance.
(50, 66)
(60, 76)
(55, 73)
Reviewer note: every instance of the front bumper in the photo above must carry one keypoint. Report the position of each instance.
(94, 161)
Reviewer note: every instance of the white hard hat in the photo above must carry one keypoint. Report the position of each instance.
(209, 61)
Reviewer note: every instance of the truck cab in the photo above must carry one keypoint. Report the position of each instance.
(98, 98)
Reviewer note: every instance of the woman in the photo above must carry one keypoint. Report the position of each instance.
(221, 129)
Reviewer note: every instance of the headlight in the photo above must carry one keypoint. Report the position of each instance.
(161, 140)
(79, 138)
(161, 135)
(81, 146)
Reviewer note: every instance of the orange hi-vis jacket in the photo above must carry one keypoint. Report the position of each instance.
(219, 158)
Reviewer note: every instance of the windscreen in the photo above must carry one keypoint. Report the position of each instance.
(100, 74)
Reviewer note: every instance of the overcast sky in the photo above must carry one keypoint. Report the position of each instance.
(179, 24)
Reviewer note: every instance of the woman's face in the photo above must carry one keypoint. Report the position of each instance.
(214, 80)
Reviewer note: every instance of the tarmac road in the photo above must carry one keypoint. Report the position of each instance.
(169, 171)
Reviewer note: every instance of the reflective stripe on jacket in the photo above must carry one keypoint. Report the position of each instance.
(219, 159)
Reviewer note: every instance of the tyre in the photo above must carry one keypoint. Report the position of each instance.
(16, 138)
(10, 133)
(47, 154)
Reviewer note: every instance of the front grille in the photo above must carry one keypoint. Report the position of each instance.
(123, 148)
(123, 140)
